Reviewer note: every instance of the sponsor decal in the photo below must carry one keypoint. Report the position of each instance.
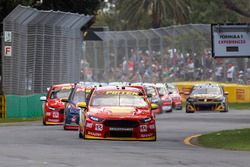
(98, 127)
(121, 93)
(120, 129)
(240, 94)
(66, 87)
(147, 135)
(73, 119)
(48, 113)
(151, 126)
(53, 120)
(55, 114)
(143, 128)
(94, 134)
(89, 125)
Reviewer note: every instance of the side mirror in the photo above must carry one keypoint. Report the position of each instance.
(154, 106)
(82, 104)
(149, 95)
(43, 98)
(65, 100)
(226, 93)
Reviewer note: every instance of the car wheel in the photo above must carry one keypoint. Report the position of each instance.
(226, 110)
(169, 111)
(187, 111)
(44, 120)
(80, 135)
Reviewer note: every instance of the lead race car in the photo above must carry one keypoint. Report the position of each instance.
(117, 113)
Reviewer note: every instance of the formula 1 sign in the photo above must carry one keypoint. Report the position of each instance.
(230, 40)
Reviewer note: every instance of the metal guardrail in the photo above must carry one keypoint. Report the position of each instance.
(2, 107)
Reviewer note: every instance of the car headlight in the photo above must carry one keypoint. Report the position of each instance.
(145, 120)
(93, 118)
(52, 108)
(219, 99)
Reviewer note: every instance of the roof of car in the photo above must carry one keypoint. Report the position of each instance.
(206, 85)
(115, 88)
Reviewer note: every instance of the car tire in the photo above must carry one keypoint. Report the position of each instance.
(44, 120)
(226, 110)
(187, 111)
(169, 111)
(80, 135)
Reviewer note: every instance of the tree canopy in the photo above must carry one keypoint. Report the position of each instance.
(87, 7)
(138, 14)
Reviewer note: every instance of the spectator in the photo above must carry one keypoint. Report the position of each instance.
(230, 72)
(219, 73)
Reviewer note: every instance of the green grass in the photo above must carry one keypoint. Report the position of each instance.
(229, 139)
(13, 120)
(239, 106)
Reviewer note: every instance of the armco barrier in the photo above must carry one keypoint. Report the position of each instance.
(237, 93)
(2, 107)
(23, 106)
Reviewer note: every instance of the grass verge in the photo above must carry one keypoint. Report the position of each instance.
(239, 106)
(229, 139)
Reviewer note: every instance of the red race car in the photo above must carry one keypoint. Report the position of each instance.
(175, 95)
(53, 107)
(165, 98)
(118, 113)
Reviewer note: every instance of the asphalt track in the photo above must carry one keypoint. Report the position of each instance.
(35, 145)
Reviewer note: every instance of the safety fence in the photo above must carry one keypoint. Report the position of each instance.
(236, 93)
(167, 54)
(40, 48)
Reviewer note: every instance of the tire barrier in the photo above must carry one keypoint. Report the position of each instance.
(237, 93)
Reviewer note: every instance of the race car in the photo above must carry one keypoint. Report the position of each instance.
(117, 113)
(53, 107)
(78, 94)
(166, 99)
(153, 96)
(175, 96)
(207, 97)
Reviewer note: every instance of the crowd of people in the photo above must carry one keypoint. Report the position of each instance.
(152, 66)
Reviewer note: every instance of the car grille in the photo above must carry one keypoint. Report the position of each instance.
(204, 107)
(205, 100)
(120, 134)
(121, 123)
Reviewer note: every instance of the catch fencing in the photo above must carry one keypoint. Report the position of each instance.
(40, 48)
(168, 54)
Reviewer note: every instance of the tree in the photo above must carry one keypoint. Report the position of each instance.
(239, 7)
(87, 7)
(157, 11)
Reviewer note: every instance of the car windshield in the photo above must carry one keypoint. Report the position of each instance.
(79, 96)
(162, 90)
(151, 90)
(172, 88)
(118, 100)
(213, 91)
(61, 93)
